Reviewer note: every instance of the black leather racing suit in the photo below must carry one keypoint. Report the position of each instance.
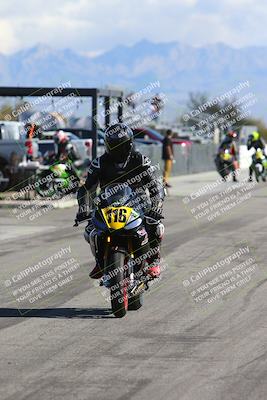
(138, 172)
(226, 144)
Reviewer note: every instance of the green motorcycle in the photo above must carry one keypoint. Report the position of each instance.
(57, 180)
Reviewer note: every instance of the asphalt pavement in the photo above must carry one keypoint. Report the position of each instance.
(201, 333)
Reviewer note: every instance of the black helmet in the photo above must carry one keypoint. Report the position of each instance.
(119, 142)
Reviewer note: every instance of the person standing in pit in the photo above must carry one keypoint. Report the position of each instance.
(167, 156)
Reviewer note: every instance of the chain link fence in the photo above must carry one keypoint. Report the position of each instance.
(188, 159)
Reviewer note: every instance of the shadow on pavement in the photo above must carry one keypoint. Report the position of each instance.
(87, 313)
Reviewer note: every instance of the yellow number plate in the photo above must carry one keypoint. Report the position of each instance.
(259, 154)
(226, 156)
(116, 217)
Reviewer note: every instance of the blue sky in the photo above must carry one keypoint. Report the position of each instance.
(93, 26)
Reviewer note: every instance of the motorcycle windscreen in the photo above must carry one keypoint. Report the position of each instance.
(115, 208)
(117, 194)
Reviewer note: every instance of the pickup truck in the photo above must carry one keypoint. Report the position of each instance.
(12, 150)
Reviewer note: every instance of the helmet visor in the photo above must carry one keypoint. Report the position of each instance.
(119, 151)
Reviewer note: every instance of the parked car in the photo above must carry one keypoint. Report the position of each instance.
(151, 134)
(147, 141)
(85, 134)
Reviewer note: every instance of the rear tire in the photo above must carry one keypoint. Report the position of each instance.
(118, 284)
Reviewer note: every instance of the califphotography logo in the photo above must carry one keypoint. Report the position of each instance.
(224, 279)
(222, 112)
(215, 200)
(45, 110)
(38, 283)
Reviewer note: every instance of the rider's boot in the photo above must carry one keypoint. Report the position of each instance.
(152, 270)
(250, 174)
(97, 271)
(90, 236)
(155, 233)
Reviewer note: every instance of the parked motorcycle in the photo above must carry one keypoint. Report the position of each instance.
(118, 219)
(58, 179)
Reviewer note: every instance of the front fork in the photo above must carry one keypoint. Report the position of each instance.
(135, 283)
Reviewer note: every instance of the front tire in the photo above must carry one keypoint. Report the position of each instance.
(118, 284)
(257, 174)
(224, 171)
(135, 302)
(44, 185)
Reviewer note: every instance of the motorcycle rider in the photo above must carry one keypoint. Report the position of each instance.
(121, 163)
(255, 141)
(65, 149)
(64, 153)
(228, 144)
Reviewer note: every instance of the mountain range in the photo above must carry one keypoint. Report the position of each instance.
(180, 69)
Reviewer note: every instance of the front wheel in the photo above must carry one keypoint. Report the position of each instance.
(223, 170)
(257, 175)
(136, 302)
(118, 284)
(44, 184)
